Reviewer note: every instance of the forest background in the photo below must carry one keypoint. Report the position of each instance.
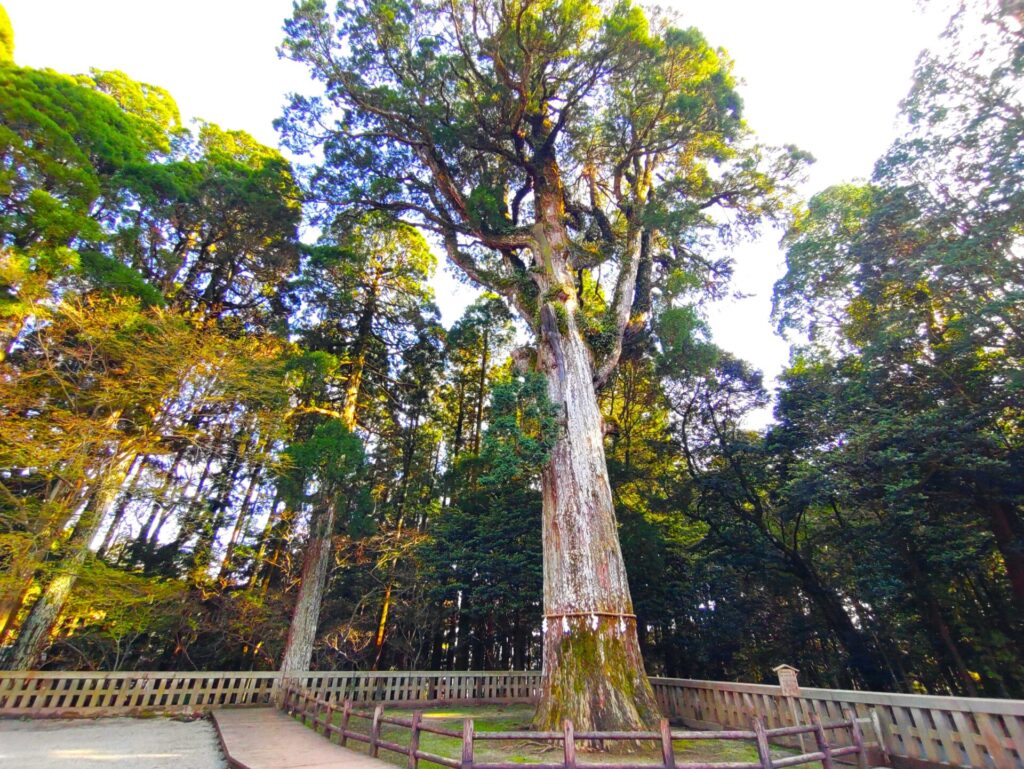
(189, 392)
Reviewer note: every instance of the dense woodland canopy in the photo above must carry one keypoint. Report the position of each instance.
(218, 439)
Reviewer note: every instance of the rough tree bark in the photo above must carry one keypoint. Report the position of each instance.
(593, 672)
(298, 649)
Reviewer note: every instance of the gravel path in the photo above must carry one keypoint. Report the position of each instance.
(110, 743)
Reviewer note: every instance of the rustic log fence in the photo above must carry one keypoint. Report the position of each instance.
(327, 718)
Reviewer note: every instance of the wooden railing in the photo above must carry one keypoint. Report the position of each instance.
(331, 720)
(52, 694)
(88, 694)
(905, 730)
(913, 731)
(422, 687)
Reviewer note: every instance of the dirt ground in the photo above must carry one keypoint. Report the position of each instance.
(110, 743)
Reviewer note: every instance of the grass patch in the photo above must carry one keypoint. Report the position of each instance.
(508, 718)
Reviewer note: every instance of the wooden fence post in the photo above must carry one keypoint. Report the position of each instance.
(375, 731)
(330, 722)
(467, 743)
(569, 744)
(881, 736)
(858, 738)
(823, 746)
(764, 753)
(668, 753)
(346, 713)
(414, 740)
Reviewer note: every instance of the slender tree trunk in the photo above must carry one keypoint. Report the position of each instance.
(62, 500)
(1008, 530)
(360, 347)
(862, 657)
(192, 519)
(256, 575)
(33, 636)
(298, 649)
(940, 632)
(215, 516)
(244, 511)
(481, 393)
(134, 475)
(462, 636)
(385, 609)
(142, 539)
(11, 607)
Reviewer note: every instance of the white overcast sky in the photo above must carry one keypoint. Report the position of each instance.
(826, 75)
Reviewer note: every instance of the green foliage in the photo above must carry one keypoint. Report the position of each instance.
(153, 106)
(818, 263)
(523, 429)
(66, 146)
(328, 459)
(120, 614)
(903, 412)
(165, 335)
(682, 335)
(108, 274)
(426, 121)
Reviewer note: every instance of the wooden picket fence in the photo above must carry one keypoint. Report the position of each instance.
(61, 694)
(328, 718)
(421, 688)
(904, 730)
(913, 731)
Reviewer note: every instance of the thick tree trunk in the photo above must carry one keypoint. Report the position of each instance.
(593, 671)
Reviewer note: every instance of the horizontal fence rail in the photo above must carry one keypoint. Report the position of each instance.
(327, 718)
